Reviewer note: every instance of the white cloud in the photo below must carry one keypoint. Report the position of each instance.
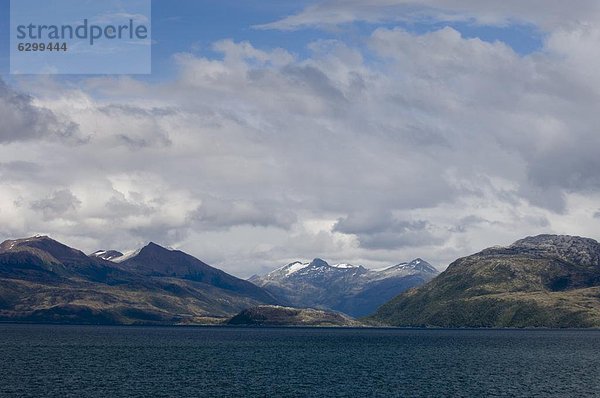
(420, 145)
(546, 14)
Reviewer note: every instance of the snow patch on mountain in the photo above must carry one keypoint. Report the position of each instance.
(294, 267)
(127, 255)
(344, 287)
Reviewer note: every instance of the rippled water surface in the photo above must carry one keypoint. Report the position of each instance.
(88, 361)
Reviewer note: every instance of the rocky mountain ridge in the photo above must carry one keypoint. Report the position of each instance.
(539, 281)
(42, 280)
(351, 289)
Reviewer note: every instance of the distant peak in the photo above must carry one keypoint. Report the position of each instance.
(153, 250)
(37, 237)
(154, 247)
(317, 262)
(24, 241)
(345, 266)
(573, 249)
(418, 264)
(126, 256)
(421, 265)
(44, 244)
(288, 269)
(547, 239)
(109, 255)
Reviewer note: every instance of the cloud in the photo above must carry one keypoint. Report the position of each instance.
(245, 52)
(408, 145)
(18, 170)
(120, 207)
(546, 14)
(57, 204)
(119, 18)
(139, 127)
(214, 213)
(384, 231)
(22, 120)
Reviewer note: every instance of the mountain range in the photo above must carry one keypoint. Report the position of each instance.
(351, 289)
(539, 281)
(42, 280)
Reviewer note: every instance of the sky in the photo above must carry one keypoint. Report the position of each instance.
(272, 131)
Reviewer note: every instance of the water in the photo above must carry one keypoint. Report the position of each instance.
(88, 361)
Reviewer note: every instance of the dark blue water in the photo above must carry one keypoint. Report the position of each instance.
(87, 361)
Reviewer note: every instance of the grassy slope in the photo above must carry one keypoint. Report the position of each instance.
(42, 280)
(501, 291)
(172, 301)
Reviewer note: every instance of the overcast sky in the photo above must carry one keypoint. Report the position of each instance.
(364, 134)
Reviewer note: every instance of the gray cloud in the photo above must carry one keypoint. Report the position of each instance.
(18, 169)
(140, 127)
(57, 204)
(162, 233)
(383, 231)
(119, 206)
(22, 120)
(315, 81)
(214, 213)
(116, 110)
(136, 142)
(551, 197)
(465, 223)
(408, 145)
(571, 165)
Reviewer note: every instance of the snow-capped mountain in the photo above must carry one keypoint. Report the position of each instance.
(352, 289)
(316, 268)
(157, 261)
(109, 255)
(414, 267)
